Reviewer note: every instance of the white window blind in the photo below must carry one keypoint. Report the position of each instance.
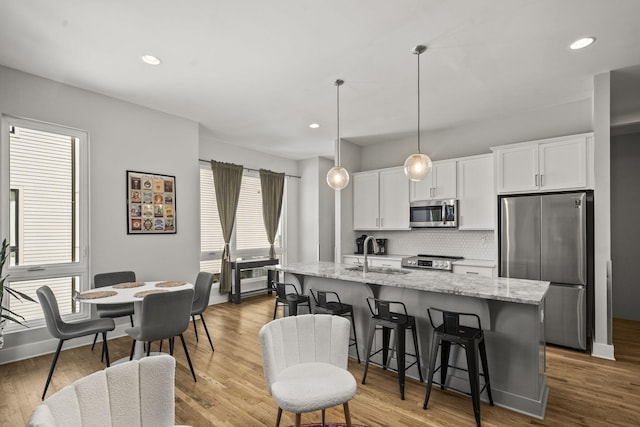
(250, 232)
(249, 238)
(41, 170)
(45, 201)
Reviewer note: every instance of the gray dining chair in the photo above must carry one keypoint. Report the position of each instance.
(113, 311)
(65, 331)
(164, 315)
(202, 291)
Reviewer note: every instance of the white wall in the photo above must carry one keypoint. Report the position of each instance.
(351, 156)
(326, 212)
(308, 208)
(602, 346)
(625, 230)
(316, 211)
(122, 136)
(476, 138)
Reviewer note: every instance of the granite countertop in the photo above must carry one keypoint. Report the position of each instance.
(500, 289)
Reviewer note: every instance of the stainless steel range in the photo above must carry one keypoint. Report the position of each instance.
(430, 262)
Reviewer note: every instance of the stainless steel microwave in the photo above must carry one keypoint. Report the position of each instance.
(434, 213)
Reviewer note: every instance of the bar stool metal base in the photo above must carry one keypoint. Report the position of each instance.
(472, 341)
(386, 320)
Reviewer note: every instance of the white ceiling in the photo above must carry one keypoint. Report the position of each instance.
(256, 73)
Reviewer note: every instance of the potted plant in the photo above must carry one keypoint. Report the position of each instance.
(5, 313)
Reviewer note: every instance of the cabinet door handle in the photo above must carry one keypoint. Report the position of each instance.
(473, 272)
(536, 179)
(541, 180)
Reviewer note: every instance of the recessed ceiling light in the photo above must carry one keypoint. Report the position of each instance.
(582, 43)
(151, 60)
(314, 125)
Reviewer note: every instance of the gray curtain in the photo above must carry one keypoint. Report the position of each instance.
(227, 178)
(272, 185)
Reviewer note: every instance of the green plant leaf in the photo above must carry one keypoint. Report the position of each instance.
(13, 313)
(19, 295)
(14, 320)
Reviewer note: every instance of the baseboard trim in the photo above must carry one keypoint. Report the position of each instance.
(603, 351)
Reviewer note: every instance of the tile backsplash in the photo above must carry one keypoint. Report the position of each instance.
(467, 244)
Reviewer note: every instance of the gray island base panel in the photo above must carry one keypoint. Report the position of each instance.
(511, 311)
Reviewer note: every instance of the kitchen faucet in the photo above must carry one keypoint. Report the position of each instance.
(365, 266)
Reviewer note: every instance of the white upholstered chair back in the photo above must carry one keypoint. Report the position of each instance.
(135, 393)
(305, 338)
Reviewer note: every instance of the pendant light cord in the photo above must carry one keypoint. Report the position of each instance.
(418, 55)
(338, 120)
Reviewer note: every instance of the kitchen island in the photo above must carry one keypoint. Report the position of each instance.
(511, 310)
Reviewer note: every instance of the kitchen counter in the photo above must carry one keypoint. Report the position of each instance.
(511, 312)
(500, 289)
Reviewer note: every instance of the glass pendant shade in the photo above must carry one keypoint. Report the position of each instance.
(337, 178)
(417, 166)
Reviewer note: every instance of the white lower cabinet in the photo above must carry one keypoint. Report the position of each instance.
(353, 260)
(385, 263)
(475, 270)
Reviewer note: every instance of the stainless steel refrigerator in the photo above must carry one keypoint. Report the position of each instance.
(548, 237)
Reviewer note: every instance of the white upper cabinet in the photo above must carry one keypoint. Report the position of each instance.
(438, 184)
(394, 199)
(476, 195)
(366, 196)
(381, 200)
(563, 163)
(517, 168)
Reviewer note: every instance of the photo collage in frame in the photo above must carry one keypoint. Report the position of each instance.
(151, 203)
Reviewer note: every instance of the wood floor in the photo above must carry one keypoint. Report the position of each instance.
(230, 390)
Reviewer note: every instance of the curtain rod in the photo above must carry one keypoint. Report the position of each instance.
(254, 170)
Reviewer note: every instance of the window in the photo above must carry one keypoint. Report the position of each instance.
(43, 196)
(249, 238)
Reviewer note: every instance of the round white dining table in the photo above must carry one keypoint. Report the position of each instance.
(128, 295)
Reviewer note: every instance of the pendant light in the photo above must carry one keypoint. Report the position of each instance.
(338, 177)
(417, 165)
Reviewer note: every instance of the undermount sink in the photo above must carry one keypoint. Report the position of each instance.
(383, 270)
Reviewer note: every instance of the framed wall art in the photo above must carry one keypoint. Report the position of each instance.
(151, 203)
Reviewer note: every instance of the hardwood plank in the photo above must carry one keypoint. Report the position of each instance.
(231, 391)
